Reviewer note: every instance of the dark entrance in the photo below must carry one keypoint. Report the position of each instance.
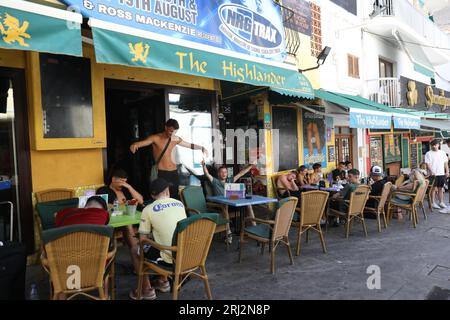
(133, 112)
(15, 168)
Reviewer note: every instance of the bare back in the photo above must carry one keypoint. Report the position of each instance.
(159, 142)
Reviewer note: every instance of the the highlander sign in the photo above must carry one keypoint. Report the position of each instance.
(252, 27)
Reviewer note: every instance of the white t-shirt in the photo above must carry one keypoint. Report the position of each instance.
(436, 160)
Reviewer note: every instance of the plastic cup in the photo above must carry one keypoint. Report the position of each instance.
(131, 210)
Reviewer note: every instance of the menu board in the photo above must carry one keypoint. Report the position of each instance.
(376, 151)
(285, 120)
(413, 155)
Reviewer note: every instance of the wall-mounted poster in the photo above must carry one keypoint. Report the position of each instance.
(392, 151)
(331, 156)
(314, 142)
(376, 151)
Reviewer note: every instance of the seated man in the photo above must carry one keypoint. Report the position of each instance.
(339, 173)
(120, 190)
(94, 212)
(160, 219)
(287, 182)
(376, 173)
(218, 187)
(338, 200)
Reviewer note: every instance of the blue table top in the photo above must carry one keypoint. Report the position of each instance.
(5, 184)
(241, 202)
(329, 189)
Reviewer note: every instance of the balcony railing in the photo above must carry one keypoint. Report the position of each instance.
(385, 91)
(411, 16)
(291, 36)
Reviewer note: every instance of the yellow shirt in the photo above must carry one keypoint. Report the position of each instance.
(161, 218)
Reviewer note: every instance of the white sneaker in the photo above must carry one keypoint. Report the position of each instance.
(436, 206)
(443, 205)
(446, 210)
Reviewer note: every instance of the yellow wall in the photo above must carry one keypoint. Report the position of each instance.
(306, 60)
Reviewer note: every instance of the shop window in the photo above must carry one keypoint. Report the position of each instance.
(353, 66)
(193, 113)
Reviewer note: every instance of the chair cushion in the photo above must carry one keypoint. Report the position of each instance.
(48, 209)
(194, 198)
(260, 230)
(56, 233)
(401, 201)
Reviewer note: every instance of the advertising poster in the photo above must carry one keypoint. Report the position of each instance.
(314, 143)
(252, 27)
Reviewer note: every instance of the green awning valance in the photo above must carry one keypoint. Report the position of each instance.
(118, 44)
(29, 26)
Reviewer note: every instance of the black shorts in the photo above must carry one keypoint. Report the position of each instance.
(154, 255)
(173, 179)
(439, 181)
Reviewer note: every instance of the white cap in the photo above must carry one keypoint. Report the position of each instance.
(376, 171)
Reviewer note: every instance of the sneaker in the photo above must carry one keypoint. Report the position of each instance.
(147, 295)
(436, 206)
(161, 286)
(229, 238)
(446, 210)
(443, 205)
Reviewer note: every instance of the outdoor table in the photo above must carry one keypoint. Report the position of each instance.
(124, 220)
(329, 189)
(241, 204)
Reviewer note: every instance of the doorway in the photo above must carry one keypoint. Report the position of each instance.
(15, 168)
(344, 144)
(133, 112)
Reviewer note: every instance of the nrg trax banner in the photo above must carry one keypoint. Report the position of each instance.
(251, 27)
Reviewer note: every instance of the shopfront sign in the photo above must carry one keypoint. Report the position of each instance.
(369, 119)
(122, 48)
(402, 121)
(30, 26)
(423, 97)
(253, 28)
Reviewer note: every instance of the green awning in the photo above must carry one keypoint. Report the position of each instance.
(365, 113)
(119, 44)
(29, 26)
(423, 70)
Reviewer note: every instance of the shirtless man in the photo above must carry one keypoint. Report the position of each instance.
(287, 182)
(167, 168)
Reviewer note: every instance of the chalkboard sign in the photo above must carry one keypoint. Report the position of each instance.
(285, 120)
(405, 152)
(66, 96)
(414, 155)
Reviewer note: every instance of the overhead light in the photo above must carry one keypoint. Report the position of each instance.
(320, 59)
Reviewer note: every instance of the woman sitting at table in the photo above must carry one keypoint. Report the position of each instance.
(302, 176)
(317, 174)
(118, 189)
(416, 179)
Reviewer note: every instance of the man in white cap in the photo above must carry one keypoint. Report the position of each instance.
(376, 173)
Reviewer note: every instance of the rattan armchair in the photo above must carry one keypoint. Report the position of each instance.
(272, 232)
(195, 202)
(311, 212)
(410, 204)
(79, 251)
(380, 202)
(193, 239)
(356, 204)
(54, 194)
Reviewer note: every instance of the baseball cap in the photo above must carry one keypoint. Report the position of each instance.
(158, 186)
(376, 171)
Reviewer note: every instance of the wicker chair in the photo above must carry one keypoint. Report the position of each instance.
(410, 204)
(194, 201)
(421, 198)
(85, 246)
(273, 231)
(356, 204)
(311, 212)
(381, 202)
(54, 194)
(192, 240)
